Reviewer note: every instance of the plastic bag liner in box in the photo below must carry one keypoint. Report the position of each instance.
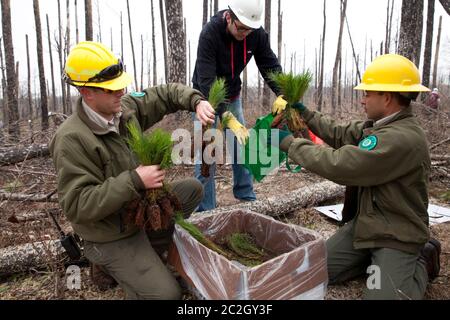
(298, 272)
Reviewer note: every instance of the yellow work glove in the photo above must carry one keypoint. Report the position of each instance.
(279, 105)
(229, 121)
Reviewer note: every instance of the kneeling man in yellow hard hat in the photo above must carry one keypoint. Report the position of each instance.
(385, 164)
(98, 176)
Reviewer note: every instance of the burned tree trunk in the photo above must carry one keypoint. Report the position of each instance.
(40, 58)
(389, 14)
(334, 85)
(77, 31)
(320, 89)
(176, 41)
(280, 31)
(30, 98)
(356, 60)
(61, 59)
(164, 38)
(428, 44)
(121, 36)
(88, 17)
(205, 12)
(67, 49)
(436, 56)
(51, 65)
(155, 74)
(411, 30)
(99, 23)
(190, 64)
(267, 27)
(132, 46)
(11, 83)
(4, 93)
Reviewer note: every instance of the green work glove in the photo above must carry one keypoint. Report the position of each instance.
(282, 135)
(299, 106)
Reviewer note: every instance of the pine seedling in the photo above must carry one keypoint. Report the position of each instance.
(217, 93)
(293, 88)
(244, 246)
(152, 149)
(198, 235)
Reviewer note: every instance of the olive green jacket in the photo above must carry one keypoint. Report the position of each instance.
(96, 170)
(390, 164)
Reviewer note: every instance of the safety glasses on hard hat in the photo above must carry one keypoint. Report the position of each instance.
(109, 73)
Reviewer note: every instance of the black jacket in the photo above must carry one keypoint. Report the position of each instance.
(220, 55)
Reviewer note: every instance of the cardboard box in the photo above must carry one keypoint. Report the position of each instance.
(298, 272)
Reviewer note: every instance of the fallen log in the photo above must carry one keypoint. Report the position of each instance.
(52, 197)
(27, 217)
(11, 156)
(29, 256)
(294, 200)
(39, 255)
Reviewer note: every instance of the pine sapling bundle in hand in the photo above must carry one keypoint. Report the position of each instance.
(155, 210)
(293, 88)
(217, 96)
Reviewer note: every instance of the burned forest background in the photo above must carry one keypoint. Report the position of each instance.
(32, 107)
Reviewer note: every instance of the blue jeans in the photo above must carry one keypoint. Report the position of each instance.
(243, 180)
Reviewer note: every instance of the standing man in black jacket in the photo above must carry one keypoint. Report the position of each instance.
(227, 44)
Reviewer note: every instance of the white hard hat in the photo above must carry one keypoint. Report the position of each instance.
(435, 90)
(249, 12)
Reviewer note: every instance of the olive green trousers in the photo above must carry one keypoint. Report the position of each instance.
(134, 262)
(392, 274)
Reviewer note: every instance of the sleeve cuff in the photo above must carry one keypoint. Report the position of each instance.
(307, 115)
(196, 99)
(286, 143)
(137, 181)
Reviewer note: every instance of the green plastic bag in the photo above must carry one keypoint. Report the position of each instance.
(260, 158)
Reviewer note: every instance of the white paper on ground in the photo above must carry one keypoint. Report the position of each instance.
(436, 213)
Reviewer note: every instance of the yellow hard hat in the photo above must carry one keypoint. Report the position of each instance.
(392, 73)
(91, 64)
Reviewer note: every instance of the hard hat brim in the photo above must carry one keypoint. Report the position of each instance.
(116, 84)
(392, 88)
(249, 23)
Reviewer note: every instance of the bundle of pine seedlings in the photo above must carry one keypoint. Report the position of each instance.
(156, 208)
(217, 96)
(293, 88)
(239, 247)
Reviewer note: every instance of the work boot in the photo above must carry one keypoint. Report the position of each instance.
(430, 256)
(101, 278)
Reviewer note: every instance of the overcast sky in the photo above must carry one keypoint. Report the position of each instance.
(303, 23)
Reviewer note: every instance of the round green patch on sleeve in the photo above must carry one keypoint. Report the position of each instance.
(138, 94)
(369, 143)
